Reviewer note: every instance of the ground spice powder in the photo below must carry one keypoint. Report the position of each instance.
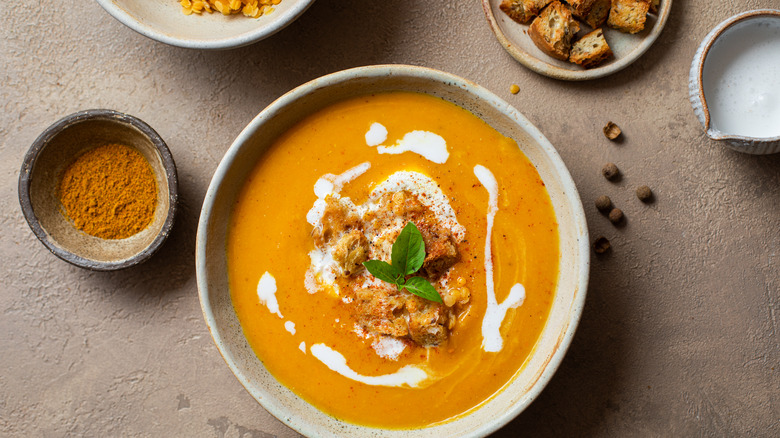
(109, 192)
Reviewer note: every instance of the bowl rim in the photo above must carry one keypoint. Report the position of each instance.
(742, 141)
(379, 71)
(244, 39)
(546, 69)
(40, 144)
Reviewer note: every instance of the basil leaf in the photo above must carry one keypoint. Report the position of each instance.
(408, 250)
(408, 256)
(422, 288)
(383, 271)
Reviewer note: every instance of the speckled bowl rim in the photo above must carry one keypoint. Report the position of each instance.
(544, 68)
(697, 67)
(241, 40)
(40, 144)
(381, 71)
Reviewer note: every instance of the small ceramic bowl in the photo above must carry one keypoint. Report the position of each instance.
(283, 114)
(55, 149)
(163, 21)
(737, 39)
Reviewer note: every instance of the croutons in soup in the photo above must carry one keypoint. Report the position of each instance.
(337, 192)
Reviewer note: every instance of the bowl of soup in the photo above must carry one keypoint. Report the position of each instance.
(392, 251)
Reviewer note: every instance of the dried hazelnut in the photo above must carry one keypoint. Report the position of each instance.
(610, 171)
(612, 131)
(514, 89)
(601, 245)
(604, 204)
(644, 193)
(616, 215)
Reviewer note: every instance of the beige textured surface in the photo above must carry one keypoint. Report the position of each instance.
(679, 334)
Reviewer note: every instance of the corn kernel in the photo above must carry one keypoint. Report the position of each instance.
(250, 8)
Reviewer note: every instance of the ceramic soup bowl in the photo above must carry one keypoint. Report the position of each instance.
(286, 112)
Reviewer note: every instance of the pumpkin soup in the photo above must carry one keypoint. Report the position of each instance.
(392, 260)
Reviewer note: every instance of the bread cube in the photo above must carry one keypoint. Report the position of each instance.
(553, 30)
(580, 8)
(523, 11)
(598, 13)
(654, 5)
(628, 15)
(591, 50)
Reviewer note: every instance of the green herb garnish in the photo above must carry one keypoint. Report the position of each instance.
(407, 258)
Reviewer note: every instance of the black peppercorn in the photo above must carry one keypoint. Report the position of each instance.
(644, 193)
(616, 215)
(610, 171)
(603, 204)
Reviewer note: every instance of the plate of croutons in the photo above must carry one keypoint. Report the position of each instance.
(576, 40)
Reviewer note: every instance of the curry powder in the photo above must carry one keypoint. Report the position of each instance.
(109, 192)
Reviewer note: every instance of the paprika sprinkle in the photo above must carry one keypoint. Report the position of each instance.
(109, 192)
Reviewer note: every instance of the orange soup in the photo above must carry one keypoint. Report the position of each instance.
(309, 336)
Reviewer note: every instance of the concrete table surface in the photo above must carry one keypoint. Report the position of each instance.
(679, 336)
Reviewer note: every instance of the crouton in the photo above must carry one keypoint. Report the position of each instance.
(628, 15)
(590, 50)
(338, 217)
(351, 251)
(553, 29)
(440, 251)
(427, 322)
(654, 5)
(396, 327)
(580, 8)
(522, 11)
(599, 11)
(384, 310)
(379, 308)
